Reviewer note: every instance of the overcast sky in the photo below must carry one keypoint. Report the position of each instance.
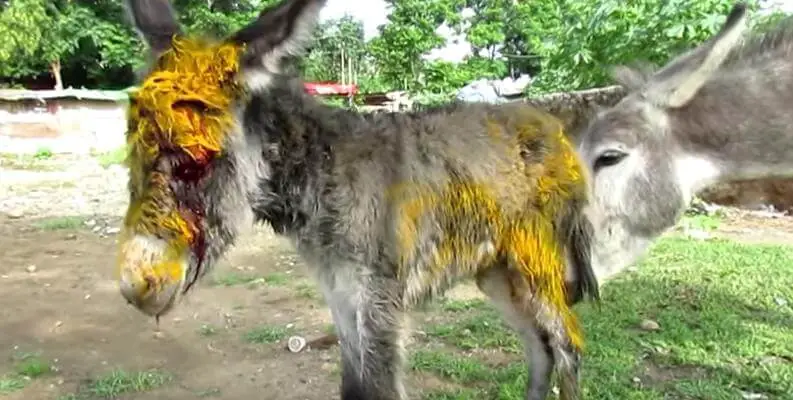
(373, 13)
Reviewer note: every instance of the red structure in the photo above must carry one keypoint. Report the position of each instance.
(330, 89)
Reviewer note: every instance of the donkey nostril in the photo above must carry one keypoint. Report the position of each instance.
(148, 283)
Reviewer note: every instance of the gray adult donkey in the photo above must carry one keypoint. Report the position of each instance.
(389, 210)
(720, 112)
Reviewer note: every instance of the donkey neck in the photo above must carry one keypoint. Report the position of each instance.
(735, 130)
(297, 134)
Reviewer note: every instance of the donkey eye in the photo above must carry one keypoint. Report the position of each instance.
(609, 158)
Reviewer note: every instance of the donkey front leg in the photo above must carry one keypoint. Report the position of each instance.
(369, 320)
(507, 294)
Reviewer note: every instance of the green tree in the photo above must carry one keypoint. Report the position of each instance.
(579, 40)
(409, 34)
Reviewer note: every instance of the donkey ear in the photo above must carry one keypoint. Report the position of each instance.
(281, 31)
(628, 77)
(155, 21)
(680, 80)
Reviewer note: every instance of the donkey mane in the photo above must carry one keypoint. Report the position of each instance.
(777, 41)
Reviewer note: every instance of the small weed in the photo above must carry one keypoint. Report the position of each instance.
(60, 223)
(276, 279)
(213, 392)
(33, 367)
(234, 279)
(701, 222)
(120, 382)
(112, 157)
(207, 330)
(10, 384)
(267, 334)
(463, 305)
(43, 154)
(306, 291)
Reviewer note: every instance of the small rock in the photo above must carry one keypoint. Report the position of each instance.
(90, 223)
(87, 296)
(71, 236)
(636, 380)
(112, 230)
(31, 268)
(649, 325)
(159, 334)
(15, 214)
(296, 344)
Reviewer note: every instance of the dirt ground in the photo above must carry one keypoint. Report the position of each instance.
(59, 300)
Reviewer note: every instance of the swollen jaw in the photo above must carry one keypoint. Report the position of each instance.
(151, 273)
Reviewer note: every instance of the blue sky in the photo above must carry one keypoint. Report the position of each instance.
(373, 13)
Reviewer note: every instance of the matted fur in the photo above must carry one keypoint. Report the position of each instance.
(389, 210)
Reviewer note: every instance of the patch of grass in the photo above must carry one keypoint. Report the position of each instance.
(234, 279)
(60, 223)
(483, 330)
(11, 383)
(25, 162)
(268, 334)
(113, 157)
(120, 382)
(43, 154)
(31, 366)
(307, 291)
(702, 222)
(207, 330)
(725, 312)
(276, 279)
(27, 366)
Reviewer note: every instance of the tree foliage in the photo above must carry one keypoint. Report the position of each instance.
(564, 44)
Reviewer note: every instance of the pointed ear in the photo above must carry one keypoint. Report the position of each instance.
(281, 31)
(680, 80)
(628, 77)
(155, 21)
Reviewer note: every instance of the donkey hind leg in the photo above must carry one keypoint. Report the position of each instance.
(542, 351)
(369, 323)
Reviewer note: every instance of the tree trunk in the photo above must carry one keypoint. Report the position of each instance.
(55, 70)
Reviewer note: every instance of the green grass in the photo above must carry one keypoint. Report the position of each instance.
(235, 279)
(267, 334)
(43, 154)
(253, 280)
(27, 366)
(119, 382)
(702, 222)
(60, 223)
(112, 157)
(11, 383)
(726, 316)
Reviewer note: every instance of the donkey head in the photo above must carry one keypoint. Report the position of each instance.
(193, 171)
(642, 178)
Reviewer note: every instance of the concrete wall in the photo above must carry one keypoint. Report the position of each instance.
(65, 125)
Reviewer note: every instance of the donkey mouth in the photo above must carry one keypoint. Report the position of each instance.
(151, 274)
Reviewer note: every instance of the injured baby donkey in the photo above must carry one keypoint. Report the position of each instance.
(389, 210)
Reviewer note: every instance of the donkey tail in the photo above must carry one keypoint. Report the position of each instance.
(578, 232)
